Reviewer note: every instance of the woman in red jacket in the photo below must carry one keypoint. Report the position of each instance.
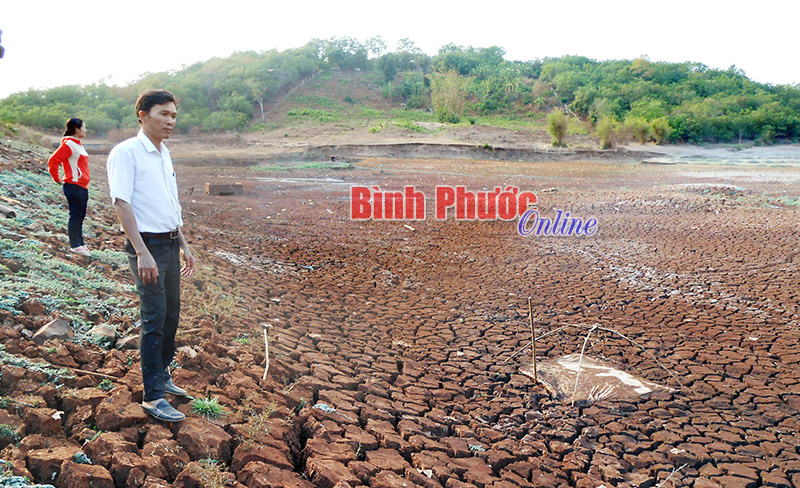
(73, 157)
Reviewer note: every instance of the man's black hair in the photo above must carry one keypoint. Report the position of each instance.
(148, 99)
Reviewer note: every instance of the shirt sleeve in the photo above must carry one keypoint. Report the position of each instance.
(121, 172)
(57, 159)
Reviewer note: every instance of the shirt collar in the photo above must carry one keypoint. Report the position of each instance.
(148, 144)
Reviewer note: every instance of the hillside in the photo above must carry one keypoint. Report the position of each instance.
(334, 83)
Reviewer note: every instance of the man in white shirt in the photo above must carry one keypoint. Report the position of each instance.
(145, 194)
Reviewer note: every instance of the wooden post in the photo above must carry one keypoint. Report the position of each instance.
(533, 340)
(266, 348)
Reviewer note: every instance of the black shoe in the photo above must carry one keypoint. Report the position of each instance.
(164, 411)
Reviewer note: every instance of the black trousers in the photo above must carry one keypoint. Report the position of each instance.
(159, 308)
(77, 199)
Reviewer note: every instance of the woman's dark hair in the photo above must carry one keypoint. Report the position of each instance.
(73, 125)
(153, 97)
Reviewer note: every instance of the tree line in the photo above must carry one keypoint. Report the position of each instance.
(621, 99)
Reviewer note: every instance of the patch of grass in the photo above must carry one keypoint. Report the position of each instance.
(208, 407)
(257, 424)
(116, 259)
(106, 385)
(9, 432)
(318, 101)
(398, 115)
(304, 166)
(369, 113)
(266, 127)
(412, 126)
(316, 115)
(510, 122)
(212, 474)
(42, 273)
(243, 339)
(574, 127)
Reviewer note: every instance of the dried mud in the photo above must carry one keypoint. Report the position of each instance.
(392, 350)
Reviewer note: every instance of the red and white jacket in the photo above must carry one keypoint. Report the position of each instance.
(73, 156)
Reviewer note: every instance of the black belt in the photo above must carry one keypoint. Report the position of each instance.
(173, 234)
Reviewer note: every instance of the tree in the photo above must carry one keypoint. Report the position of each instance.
(375, 46)
(605, 131)
(236, 103)
(557, 127)
(448, 95)
(345, 53)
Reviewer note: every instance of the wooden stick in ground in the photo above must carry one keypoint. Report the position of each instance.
(580, 362)
(533, 341)
(266, 349)
(92, 373)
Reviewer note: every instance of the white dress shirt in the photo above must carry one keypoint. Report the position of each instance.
(143, 176)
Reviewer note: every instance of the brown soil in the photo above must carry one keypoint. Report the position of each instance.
(391, 350)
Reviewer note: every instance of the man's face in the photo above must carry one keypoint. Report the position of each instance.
(159, 122)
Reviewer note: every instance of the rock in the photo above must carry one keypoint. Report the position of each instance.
(103, 447)
(74, 475)
(363, 470)
(390, 479)
(326, 473)
(197, 474)
(357, 438)
(337, 451)
(32, 443)
(61, 357)
(118, 411)
(14, 430)
(387, 460)
(45, 421)
(157, 432)
(151, 483)
(103, 334)
(55, 329)
(125, 464)
(260, 475)
(422, 479)
(456, 447)
(32, 306)
(45, 464)
(73, 399)
(202, 440)
(169, 453)
(136, 477)
(247, 453)
(130, 342)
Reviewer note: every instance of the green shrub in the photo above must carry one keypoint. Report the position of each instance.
(448, 95)
(208, 408)
(314, 114)
(605, 131)
(661, 130)
(226, 120)
(557, 124)
(636, 128)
